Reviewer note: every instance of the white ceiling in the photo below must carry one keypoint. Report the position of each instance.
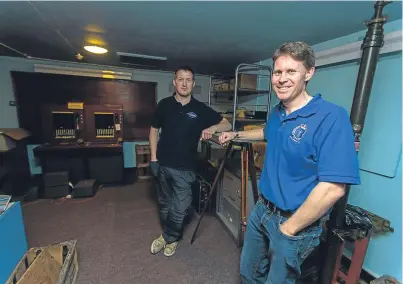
(211, 36)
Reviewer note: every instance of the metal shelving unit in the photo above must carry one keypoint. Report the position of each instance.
(236, 92)
(229, 201)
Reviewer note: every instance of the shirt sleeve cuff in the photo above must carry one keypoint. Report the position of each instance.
(340, 179)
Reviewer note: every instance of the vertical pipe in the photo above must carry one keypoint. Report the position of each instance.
(371, 46)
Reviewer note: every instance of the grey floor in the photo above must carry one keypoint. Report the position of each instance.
(114, 231)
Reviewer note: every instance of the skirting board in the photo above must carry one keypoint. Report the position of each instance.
(352, 51)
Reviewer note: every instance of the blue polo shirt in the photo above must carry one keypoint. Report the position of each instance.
(311, 145)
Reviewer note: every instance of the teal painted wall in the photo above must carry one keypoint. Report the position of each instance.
(380, 153)
(8, 114)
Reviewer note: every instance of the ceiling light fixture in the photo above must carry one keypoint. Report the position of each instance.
(95, 49)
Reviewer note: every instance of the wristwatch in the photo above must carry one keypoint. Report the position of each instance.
(236, 134)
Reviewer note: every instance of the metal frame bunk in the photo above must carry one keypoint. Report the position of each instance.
(236, 92)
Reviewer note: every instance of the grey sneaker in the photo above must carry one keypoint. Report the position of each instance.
(158, 244)
(170, 249)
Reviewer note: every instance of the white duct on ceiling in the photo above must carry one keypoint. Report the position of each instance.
(97, 73)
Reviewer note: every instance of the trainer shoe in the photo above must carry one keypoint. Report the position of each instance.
(158, 244)
(170, 248)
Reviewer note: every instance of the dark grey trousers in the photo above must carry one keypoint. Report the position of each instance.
(174, 191)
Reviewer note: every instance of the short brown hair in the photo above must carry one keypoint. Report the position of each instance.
(185, 68)
(298, 50)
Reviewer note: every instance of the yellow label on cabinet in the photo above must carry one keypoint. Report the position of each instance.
(75, 105)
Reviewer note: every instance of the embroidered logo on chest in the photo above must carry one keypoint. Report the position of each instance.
(191, 114)
(298, 132)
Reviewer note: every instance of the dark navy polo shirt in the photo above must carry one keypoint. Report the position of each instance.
(181, 127)
(311, 145)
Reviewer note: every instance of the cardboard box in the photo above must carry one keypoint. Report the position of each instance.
(54, 264)
(14, 167)
(245, 82)
(223, 86)
(9, 138)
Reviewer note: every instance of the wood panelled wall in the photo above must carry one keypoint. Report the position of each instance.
(33, 90)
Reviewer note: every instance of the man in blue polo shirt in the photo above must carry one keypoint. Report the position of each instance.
(310, 156)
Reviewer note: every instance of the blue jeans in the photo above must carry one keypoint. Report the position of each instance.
(270, 257)
(174, 198)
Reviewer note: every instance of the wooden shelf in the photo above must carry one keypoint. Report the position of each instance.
(229, 117)
(143, 154)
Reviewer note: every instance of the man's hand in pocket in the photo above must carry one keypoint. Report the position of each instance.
(154, 166)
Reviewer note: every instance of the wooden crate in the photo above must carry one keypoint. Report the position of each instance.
(143, 157)
(54, 264)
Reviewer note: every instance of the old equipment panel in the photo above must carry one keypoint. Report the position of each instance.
(62, 125)
(104, 124)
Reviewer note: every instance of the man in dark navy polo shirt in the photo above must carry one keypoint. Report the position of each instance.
(310, 156)
(183, 122)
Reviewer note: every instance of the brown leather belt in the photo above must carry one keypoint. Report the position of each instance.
(275, 209)
(287, 214)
